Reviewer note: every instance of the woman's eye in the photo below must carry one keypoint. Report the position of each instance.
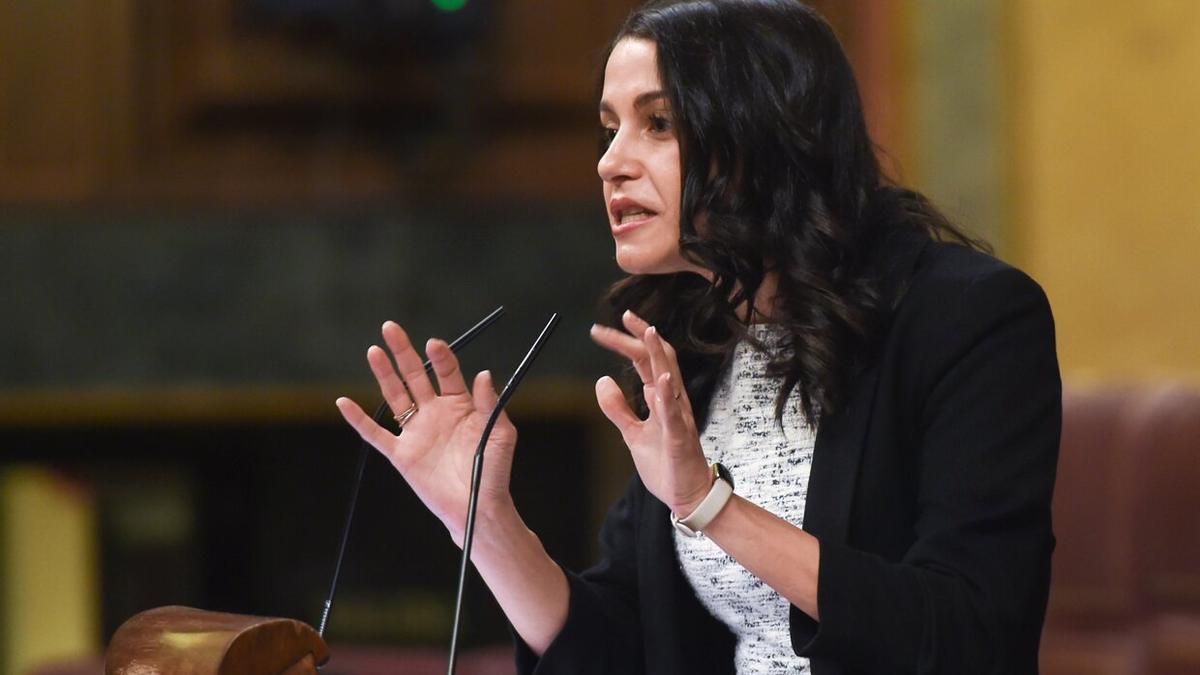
(607, 134)
(660, 123)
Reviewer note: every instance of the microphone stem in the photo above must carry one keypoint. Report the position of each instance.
(337, 569)
(477, 477)
(468, 540)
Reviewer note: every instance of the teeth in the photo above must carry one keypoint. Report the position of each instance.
(629, 216)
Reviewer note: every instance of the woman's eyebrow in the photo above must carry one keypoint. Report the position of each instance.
(640, 101)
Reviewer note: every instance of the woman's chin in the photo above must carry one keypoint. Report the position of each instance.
(637, 260)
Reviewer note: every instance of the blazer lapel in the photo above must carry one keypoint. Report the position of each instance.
(841, 436)
(836, 455)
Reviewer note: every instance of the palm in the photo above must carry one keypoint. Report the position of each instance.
(436, 449)
(650, 457)
(436, 454)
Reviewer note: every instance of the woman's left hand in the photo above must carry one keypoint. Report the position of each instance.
(666, 445)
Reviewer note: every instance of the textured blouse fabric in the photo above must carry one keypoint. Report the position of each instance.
(770, 464)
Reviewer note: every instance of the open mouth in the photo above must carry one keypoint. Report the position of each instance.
(633, 215)
(626, 214)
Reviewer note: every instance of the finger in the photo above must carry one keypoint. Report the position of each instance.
(445, 365)
(409, 362)
(669, 350)
(654, 350)
(635, 324)
(625, 345)
(670, 404)
(483, 391)
(622, 343)
(661, 354)
(650, 396)
(390, 383)
(662, 358)
(615, 407)
(366, 427)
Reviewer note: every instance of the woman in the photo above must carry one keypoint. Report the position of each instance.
(886, 405)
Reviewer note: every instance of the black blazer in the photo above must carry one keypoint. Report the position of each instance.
(930, 494)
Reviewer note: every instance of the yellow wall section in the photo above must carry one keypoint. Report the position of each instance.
(1105, 117)
(50, 595)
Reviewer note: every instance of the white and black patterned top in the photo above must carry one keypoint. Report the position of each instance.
(770, 465)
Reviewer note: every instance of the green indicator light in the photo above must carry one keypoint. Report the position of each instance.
(449, 5)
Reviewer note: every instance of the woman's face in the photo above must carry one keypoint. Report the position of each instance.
(641, 167)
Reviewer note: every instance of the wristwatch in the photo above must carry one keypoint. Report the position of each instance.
(718, 496)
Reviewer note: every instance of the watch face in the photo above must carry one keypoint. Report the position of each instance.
(724, 474)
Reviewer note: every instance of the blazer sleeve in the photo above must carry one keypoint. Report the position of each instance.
(969, 595)
(602, 631)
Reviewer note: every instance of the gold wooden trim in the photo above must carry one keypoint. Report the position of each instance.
(201, 403)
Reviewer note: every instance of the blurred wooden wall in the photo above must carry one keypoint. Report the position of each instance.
(143, 102)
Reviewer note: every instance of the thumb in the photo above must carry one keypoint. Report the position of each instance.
(615, 407)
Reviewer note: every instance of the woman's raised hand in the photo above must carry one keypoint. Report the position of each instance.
(666, 445)
(436, 449)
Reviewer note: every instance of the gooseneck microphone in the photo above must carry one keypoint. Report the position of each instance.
(477, 475)
(381, 415)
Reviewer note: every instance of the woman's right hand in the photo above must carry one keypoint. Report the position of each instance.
(436, 450)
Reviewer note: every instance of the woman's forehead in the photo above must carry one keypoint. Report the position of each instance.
(632, 69)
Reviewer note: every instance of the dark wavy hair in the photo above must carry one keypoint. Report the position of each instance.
(779, 168)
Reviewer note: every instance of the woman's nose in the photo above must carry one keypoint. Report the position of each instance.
(618, 162)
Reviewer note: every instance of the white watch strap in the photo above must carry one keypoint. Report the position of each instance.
(696, 521)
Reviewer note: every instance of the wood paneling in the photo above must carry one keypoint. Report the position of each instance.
(141, 101)
(64, 96)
